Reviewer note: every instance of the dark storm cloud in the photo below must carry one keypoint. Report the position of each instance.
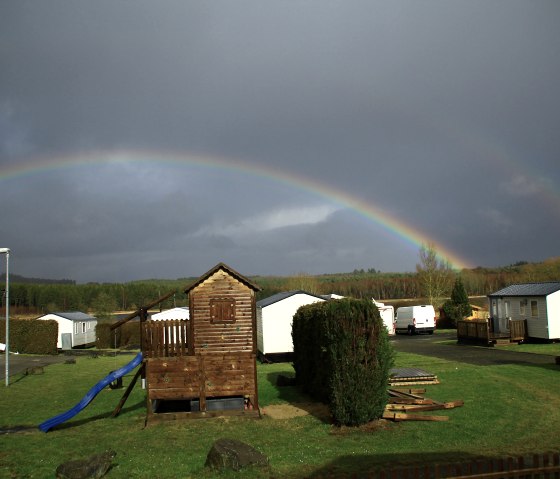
(444, 114)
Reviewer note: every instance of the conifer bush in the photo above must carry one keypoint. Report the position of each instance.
(342, 356)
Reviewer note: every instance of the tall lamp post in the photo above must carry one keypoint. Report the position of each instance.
(7, 251)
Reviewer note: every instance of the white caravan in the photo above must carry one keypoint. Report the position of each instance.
(415, 319)
(387, 314)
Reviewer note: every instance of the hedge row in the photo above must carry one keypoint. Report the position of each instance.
(342, 357)
(31, 337)
(125, 336)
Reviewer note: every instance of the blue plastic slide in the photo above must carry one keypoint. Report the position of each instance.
(112, 376)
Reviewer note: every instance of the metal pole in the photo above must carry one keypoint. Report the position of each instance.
(8, 318)
(7, 251)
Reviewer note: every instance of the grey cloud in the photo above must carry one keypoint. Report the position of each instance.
(444, 114)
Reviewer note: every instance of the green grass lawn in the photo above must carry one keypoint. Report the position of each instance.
(508, 409)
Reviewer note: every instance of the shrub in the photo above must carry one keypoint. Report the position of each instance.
(105, 338)
(125, 336)
(342, 356)
(31, 336)
(458, 306)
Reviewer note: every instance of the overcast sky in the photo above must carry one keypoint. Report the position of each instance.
(143, 139)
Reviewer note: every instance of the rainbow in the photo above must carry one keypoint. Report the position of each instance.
(371, 212)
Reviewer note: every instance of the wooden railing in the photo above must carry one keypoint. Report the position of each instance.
(480, 330)
(545, 466)
(518, 330)
(162, 339)
(473, 330)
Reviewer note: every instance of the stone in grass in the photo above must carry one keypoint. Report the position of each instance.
(93, 467)
(233, 454)
(283, 381)
(34, 370)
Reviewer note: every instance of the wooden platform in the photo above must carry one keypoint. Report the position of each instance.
(411, 376)
(480, 331)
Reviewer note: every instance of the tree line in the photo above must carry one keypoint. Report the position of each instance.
(433, 279)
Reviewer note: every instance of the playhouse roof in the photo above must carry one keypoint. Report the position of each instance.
(227, 269)
(529, 289)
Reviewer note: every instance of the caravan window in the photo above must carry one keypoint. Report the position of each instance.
(534, 309)
(83, 327)
(522, 307)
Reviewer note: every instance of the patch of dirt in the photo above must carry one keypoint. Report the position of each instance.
(321, 411)
(289, 411)
(18, 429)
(372, 426)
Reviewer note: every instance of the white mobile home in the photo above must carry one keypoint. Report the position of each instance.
(74, 329)
(174, 313)
(387, 314)
(536, 303)
(275, 315)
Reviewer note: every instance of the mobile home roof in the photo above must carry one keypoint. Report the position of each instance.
(528, 289)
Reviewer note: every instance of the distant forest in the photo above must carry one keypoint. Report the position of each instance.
(35, 296)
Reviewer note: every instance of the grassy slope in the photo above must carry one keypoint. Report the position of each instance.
(508, 410)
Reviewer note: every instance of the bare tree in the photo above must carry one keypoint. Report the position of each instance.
(434, 273)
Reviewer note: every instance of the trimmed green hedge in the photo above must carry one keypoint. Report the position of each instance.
(126, 336)
(31, 336)
(342, 357)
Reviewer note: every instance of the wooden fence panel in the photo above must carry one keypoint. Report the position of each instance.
(470, 329)
(164, 339)
(518, 330)
(545, 466)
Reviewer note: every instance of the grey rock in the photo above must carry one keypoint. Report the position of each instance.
(234, 454)
(282, 381)
(35, 370)
(93, 467)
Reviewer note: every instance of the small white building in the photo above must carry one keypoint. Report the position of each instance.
(537, 303)
(74, 328)
(332, 296)
(173, 313)
(387, 313)
(275, 316)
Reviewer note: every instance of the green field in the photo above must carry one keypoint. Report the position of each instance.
(508, 409)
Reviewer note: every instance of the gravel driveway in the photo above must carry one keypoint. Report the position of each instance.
(430, 345)
(19, 363)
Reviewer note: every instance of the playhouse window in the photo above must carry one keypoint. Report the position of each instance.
(222, 310)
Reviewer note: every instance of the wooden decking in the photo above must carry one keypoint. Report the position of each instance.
(544, 465)
(481, 331)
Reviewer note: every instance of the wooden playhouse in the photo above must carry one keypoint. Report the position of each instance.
(206, 365)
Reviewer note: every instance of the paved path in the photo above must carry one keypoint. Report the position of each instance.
(429, 345)
(19, 363)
